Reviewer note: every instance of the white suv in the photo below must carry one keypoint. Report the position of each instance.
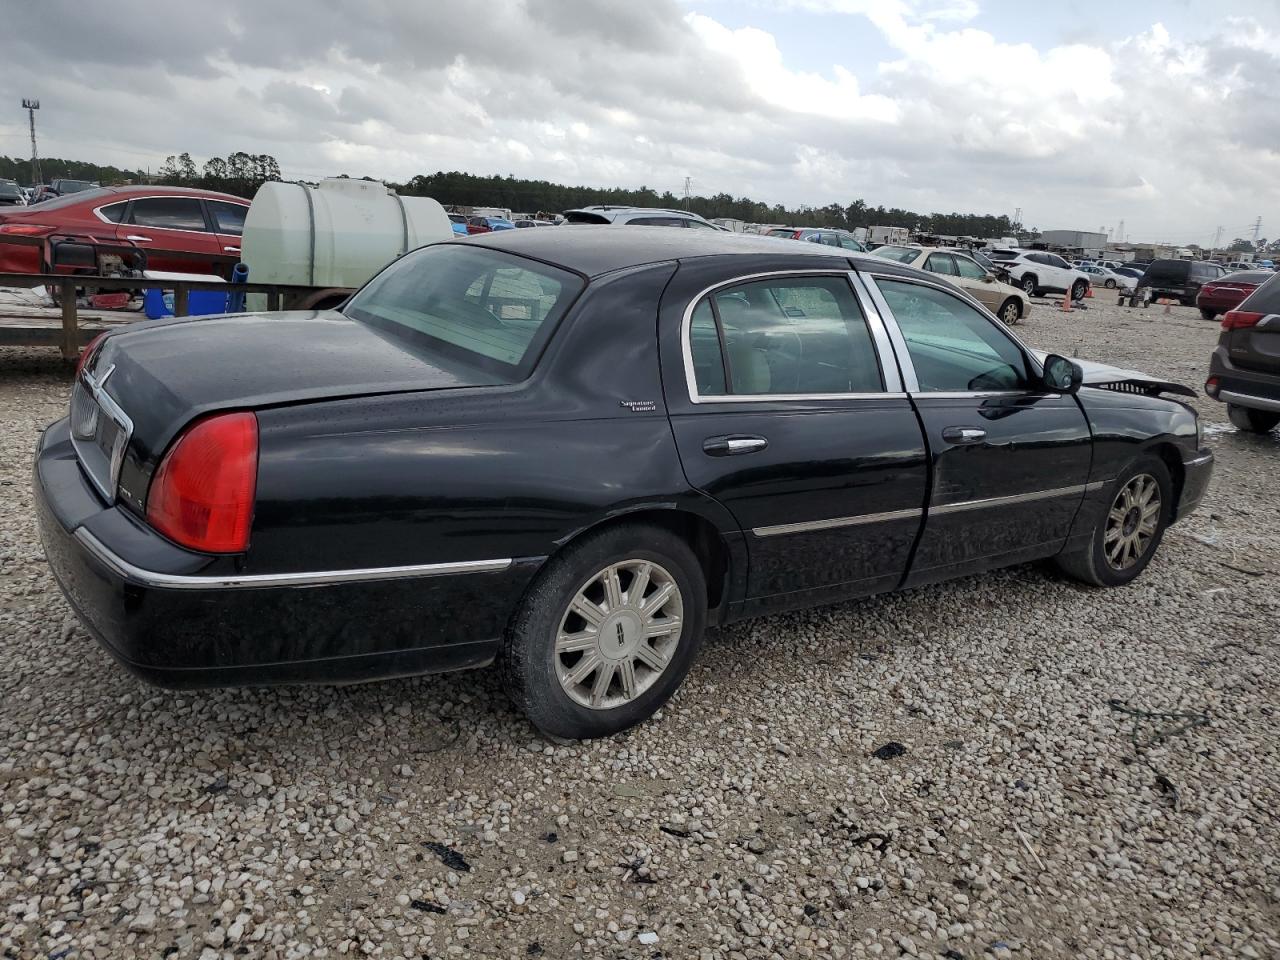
(1034, 271)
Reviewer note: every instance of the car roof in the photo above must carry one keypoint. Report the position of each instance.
(150, 190)
(596, 249)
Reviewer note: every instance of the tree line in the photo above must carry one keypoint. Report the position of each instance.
(242, 173)
(530, 196)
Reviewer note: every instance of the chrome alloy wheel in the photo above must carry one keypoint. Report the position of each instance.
(619, 633)
(1132, 522)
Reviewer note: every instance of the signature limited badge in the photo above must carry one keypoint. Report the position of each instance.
(640, 406)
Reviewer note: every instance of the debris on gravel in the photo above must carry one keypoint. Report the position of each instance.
(750, 819)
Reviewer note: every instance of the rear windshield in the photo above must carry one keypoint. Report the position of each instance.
(1248, 276)
(900, 254)
(581, 216)
(1266, 299)
(459, 304)
(54, 203)
(1168, 270)
(9, 190)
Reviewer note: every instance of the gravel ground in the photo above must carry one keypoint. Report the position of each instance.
(752, 818)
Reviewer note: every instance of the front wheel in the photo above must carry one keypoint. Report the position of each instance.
(1077, 290)
(1251, 421)
(1111, 284)
(607, 632)
(1010, 311)
(1028, 285)
(1208, 314)
(1130, 530)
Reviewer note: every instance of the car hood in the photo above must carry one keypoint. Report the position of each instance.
(1106, 377)
(165, 373)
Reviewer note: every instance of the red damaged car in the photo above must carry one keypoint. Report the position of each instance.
(181, 229)
(1226, 293)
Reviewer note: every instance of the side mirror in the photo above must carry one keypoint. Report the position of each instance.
(988, 278)
(1062, 375)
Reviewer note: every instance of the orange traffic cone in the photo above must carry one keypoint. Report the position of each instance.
(1088, 291)
(1066, 302)
(1166, 305)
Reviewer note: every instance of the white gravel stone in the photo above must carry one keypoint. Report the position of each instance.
(290, 822)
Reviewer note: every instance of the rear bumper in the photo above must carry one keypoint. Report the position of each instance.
(1252, 389)
(180, 619)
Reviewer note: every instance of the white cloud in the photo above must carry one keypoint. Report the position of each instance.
(1175, 134)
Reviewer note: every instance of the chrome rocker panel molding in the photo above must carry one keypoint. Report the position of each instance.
(173, 581)
(812, 525)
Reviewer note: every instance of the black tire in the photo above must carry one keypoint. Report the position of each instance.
(1252, 421)
(1029, 284)
(1208, 314)
(528, 658)
(1010, 311)
(1111, 284)
(1089, 563)
(1078, 290)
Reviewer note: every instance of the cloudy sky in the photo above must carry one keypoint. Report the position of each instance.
(1163, 114)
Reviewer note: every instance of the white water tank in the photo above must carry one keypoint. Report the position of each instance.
(337, 234)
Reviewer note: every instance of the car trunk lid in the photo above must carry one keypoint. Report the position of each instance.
(148, 381)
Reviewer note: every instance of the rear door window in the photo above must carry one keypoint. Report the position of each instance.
(655, 222)
(785, 336)
(941, 263)
(113, 212)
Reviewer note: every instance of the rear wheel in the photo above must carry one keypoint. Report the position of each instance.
(1252, 421)
(607, 632)
(1028, 284)
(1129, 531)
(1010, 311)
(1207, 313)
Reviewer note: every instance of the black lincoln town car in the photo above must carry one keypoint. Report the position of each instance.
(570, 451)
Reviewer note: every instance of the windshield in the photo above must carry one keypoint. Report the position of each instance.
(461, 304)
(900, 254)
(54, 203)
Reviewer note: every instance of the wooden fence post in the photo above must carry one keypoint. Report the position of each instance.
(70, 326)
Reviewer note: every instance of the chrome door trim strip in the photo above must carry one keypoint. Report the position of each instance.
(1009, 500)
(893, 388)
(1248, 400)
(173, 581)
(811, 525)
(1198, 460)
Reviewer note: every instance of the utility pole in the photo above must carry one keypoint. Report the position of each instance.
(1120, 233)
(1017, 219)
(687, 181)
(31, 106)
(1257, 228)
(1217, 238)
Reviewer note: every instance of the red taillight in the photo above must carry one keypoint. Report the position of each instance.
(90, 349)
(1211, 387)
(1238, 319)
(202, 495)
(26, 229)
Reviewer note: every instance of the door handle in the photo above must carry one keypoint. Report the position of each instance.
(230, 249)
(959, 435)
(732, 446)
(140, 239)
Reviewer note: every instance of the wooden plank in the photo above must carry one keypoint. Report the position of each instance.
(70, 334)
(181, 299)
